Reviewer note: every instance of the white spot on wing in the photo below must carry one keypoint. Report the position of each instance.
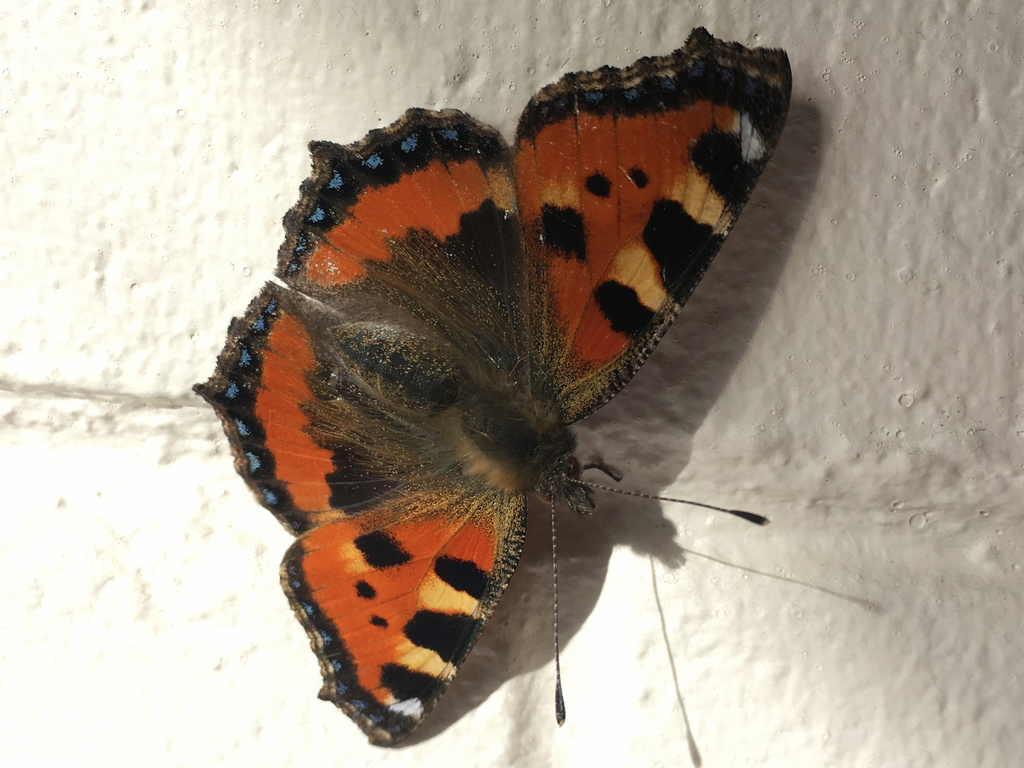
(410, 708)
(751, 145)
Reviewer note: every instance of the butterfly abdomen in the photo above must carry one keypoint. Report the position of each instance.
(399, 366)
(418, 406)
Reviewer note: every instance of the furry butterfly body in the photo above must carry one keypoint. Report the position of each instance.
(452, 306)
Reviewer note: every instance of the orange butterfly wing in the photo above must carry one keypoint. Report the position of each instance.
(628, 181)
(419, 217)
(394, 599)
(265, 377)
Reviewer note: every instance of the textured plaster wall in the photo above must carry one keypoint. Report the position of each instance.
(851, 367)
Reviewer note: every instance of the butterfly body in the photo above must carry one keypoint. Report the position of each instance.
(453, 306)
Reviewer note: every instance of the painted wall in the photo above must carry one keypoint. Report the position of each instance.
(850, 367)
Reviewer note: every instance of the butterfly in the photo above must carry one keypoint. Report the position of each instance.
(451, 306)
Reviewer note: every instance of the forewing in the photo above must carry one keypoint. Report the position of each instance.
(394, 599)
(628, 181)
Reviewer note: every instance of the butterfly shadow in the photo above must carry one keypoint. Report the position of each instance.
(645, 432)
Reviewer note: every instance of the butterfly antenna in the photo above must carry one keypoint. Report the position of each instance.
(750, 517)
(559, 700)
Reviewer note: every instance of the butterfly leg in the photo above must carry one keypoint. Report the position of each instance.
(614, 474)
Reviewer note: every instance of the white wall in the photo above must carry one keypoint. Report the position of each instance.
(850, 367)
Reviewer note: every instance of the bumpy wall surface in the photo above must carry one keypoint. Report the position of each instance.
(851, 367)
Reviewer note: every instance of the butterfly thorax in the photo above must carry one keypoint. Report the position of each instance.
(497, 431)
(517, 443)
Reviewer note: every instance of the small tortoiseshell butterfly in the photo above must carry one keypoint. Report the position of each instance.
(453, 306)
